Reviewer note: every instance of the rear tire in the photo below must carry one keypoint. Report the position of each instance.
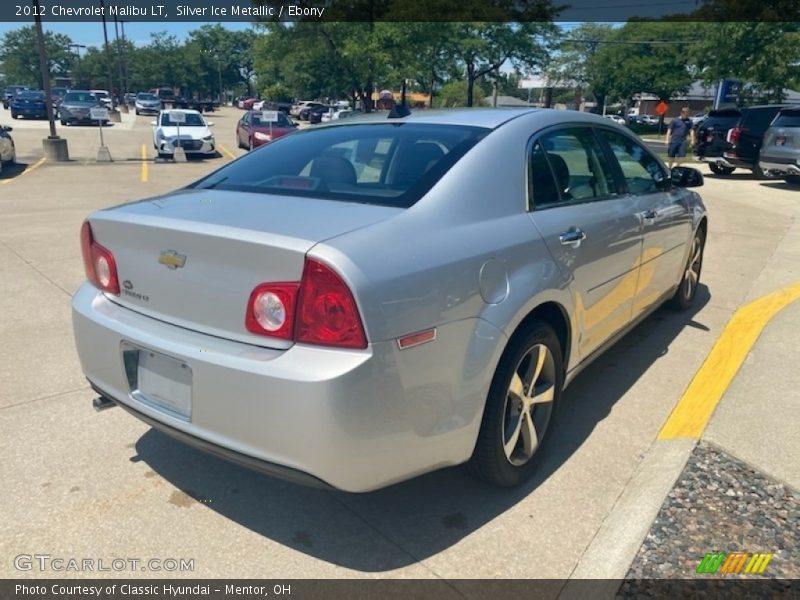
(687, 289)
(720, 170)
(760, 174)
(524, 392)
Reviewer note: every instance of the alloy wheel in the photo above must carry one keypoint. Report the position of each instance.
(529, 404)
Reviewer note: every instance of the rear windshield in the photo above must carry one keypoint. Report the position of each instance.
(282, 121)
(30, 95)
(192, 120)
(392, 164)
(80, 97)
(787, 118)
(720, 120)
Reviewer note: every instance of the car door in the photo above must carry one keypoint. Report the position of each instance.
(753, 127)
(241, 130)
(664, 214)
(591, 229)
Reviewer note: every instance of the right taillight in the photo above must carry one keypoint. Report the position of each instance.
(98, 262)
(319, 310)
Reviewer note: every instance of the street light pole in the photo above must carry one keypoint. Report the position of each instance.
(221, 91)
(54, 147)
(113, 114)
(77, 48)
(119, 65)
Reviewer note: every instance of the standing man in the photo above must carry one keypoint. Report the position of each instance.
(677, 133)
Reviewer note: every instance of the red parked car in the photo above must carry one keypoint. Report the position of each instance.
(253, 131)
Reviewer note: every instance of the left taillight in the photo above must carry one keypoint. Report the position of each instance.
(98, 262)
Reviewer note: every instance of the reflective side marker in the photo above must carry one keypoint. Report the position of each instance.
(415, 339)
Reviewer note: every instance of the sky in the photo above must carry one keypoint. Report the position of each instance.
(91, 33)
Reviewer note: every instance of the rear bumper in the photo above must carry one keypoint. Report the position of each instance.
(780, 166)
(356, 420)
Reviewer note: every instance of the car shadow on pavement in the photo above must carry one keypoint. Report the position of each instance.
(13, 170)
(782, 185)
(414, 520)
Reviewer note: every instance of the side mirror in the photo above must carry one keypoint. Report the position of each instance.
(210, 123)
(686, 177)
(153, 123)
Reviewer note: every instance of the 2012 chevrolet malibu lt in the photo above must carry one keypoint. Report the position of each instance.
(364, 302)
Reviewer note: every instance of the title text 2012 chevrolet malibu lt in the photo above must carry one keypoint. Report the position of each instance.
(361, 303)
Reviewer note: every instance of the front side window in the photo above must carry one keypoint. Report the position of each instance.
(642, 172)
(392, 164)
(579, 167)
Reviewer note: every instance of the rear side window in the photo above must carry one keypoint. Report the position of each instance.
(642, 172)
(541, 182)
(787, 118)
(758, 119)
(393, 164)
(577, 162)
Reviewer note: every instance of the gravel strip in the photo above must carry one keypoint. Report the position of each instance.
(720, 504)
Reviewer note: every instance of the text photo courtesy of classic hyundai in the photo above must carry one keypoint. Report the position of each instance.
(359, 303)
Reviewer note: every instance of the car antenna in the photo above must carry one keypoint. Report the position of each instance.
(400, 110)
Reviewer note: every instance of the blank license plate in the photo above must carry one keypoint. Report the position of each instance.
(165, 383)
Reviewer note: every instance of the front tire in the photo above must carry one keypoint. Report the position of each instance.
(524, 391)
(687, 289)
(720, 170)
(793, 179)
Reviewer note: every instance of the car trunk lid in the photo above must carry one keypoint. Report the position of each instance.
(193, 258)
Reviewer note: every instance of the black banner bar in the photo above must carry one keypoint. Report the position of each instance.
(162, 11)
(394, 589)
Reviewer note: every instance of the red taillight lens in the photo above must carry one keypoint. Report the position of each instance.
(734, 135)
(319, 310)
(326, 310)
(98, 262)
(271, 310)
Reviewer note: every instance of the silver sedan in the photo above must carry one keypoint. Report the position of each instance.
(360, 303)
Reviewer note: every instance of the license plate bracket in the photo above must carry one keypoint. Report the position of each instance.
(159, 381)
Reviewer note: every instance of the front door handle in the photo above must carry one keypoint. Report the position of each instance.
(648, 217)
(572, 237)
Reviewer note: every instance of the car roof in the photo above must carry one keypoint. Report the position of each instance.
(490, 118)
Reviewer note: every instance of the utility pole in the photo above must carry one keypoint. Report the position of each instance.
(54, 147)
(113, 114)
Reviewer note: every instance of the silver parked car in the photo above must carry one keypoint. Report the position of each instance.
(370, 300)
(780, 152)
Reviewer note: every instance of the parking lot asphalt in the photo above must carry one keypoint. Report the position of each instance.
(103, 485)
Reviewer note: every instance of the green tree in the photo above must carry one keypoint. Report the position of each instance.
(647, 57)
(19, 56)
(766, 56)
(484, 48)
(454, 93)
(578, 64)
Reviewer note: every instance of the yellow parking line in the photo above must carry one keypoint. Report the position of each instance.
(225, 150)
(694, 409)
(33, 167)
(144, 163)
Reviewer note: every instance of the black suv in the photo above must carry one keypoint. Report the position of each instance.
(740, 145)
(710, 136)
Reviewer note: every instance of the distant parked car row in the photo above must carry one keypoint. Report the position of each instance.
(763, 139)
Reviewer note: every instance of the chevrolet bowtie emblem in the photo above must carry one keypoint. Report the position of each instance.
(171, 259)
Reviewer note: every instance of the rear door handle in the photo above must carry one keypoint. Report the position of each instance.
(572, 237)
